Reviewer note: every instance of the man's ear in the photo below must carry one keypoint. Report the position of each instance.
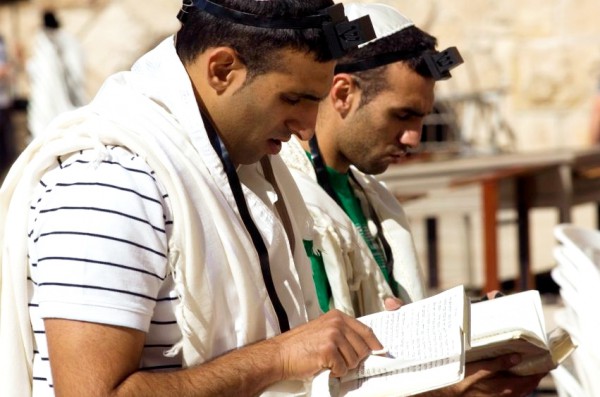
(225, 69)
(344, 92)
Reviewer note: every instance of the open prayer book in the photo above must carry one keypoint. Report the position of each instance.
(428, 343)
(515, 323)
(425, 343)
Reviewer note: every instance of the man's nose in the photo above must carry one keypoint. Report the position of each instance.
(411, 137)
(305, 134)
(303, 124)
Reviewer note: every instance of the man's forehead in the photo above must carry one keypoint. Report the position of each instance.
(316, 91)
(406, 89)
(301, 72)
(284, 59)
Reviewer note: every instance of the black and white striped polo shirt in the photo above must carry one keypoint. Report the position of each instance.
(98, 248)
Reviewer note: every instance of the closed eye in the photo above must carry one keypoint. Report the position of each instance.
(291, 100)
(404, 116)
(408, 114)
(295, 98)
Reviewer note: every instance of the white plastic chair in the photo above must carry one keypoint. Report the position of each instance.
(566, 384)
(577, 273)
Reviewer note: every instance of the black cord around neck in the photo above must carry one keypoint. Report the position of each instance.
(240, 200)
(385, 246)
(321, 170)
(324, 182)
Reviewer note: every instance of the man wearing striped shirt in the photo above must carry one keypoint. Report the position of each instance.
(372, 116)
(146, 249)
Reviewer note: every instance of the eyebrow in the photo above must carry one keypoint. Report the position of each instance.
(309, 97)
(411, 111)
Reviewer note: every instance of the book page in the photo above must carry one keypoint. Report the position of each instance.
(561, 345)
(508, 317)
(420, 332)
(405, 382)
(516, 324)
(425, 343)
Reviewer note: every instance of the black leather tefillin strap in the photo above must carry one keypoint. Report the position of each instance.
(439, 63)
(341, 34)
(323, 180)
(240, 200)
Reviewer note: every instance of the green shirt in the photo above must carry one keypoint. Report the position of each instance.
(340, 182)
(319, 276)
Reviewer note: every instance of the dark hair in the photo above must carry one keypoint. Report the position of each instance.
(255, 46)
(50, 20)
(409, 40)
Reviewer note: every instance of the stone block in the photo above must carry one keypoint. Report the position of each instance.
(553, 74)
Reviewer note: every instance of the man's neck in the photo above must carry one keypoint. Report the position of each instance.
(328, 157)
(208, 109)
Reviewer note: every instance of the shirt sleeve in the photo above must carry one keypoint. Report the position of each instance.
(98, 244)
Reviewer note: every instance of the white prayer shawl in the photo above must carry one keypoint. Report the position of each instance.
(396, 229)
(357, 283)
(216, 268)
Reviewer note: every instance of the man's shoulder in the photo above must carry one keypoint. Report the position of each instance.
(119, 159)
(377, 191)
(368, 181)
(115, 166)
(296, 158)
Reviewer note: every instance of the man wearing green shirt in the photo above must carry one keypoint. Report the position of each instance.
(363, 255)
(374, 112)
(372, 245)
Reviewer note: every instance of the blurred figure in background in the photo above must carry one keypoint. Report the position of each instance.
(56, 75)
(6, 140)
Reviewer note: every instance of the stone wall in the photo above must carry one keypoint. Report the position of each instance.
(543, 54)
(535, 63)
(113, 34)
